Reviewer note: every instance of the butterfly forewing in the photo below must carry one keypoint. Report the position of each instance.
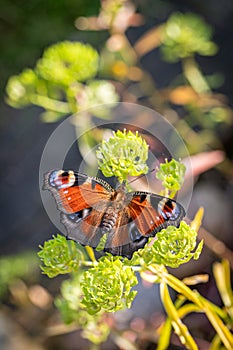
(75, 191)
(82, 200)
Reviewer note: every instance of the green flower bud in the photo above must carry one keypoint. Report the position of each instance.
(107, 286)
(173, 246)
(172, 175)
(185, 35)
(69, 302)
(123, 155)
(20, 88)
(60, 256)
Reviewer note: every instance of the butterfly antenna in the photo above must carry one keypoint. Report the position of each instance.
(140, 176)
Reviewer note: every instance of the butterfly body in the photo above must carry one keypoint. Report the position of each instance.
(90, 208)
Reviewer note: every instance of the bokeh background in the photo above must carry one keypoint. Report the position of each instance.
(127, 36)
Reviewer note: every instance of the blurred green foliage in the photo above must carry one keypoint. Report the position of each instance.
(27, 27)
(185, 35)
(21, 266)
(56, 82)
(69, 304)
(66, 63)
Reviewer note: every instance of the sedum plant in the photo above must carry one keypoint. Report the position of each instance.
(103, 286)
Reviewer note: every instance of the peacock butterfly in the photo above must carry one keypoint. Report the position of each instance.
(90, 208)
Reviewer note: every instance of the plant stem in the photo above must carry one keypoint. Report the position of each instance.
(194, 76)
(179, 327)
(50, 104)
(201, 302)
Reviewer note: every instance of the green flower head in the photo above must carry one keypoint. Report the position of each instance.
(60, 256)
(173, 246)
(20, 88)
(184, 35)
(68, 62)
(172, 175)
(107, 286)
(123, 155)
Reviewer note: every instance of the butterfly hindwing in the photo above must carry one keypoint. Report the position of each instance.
(152, 212)
(86, 231)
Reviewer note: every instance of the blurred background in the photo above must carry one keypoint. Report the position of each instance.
(172, 56)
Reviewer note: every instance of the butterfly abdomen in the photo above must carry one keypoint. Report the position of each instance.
(109, 219)
(116, 205)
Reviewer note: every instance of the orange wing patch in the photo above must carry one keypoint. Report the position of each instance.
(145, 216)
(76, 198)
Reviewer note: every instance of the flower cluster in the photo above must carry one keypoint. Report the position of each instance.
(123, 155)
(62, 82)
(107, 286)
(69, 305)
(184, 35)
(97, 287)
(173, 246)
(68, 62)
(172, 176)
(60, 256)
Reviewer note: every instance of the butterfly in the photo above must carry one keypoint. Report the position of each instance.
(91, 208)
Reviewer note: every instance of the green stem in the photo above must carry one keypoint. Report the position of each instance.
(50, 104)
(201, 302)
(194, 75)
(86, 138)
(88, 263)
(165, 335)
(222, 277)
(179, 327)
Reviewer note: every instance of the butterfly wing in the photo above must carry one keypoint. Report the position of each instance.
(137, 241)
(151, 212)
(82, 201)
(87, 203)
